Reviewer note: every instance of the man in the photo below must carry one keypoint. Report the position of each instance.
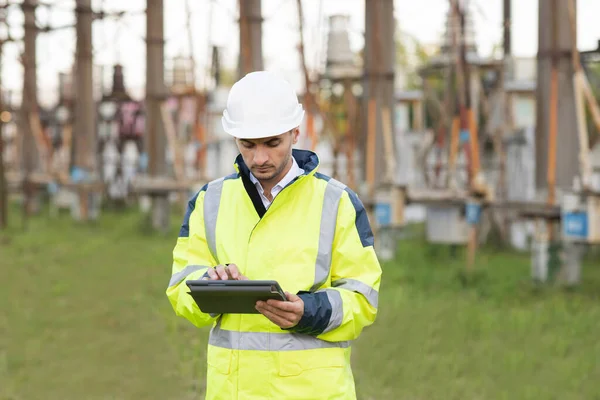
(277, 218)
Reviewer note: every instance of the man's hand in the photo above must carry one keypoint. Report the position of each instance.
(224, 273)
(285, 314)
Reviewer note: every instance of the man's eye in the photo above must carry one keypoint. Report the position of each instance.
(247, 145)
(273, 144)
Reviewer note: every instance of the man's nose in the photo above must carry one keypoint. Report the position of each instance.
(260, 155)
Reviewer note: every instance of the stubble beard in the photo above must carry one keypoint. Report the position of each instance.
(279, 170)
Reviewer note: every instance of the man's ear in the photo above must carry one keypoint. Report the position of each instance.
(295, 135)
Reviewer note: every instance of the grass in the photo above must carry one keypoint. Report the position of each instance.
(83, 315)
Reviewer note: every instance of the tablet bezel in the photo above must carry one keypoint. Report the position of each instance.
(220, 296)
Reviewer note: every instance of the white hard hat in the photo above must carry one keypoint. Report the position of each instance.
(260, 105)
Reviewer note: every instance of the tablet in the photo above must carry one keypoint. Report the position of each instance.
(233, 297)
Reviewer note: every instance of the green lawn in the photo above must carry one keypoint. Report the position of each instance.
(83, 315)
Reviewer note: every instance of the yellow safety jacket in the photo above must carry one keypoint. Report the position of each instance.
(315, 240)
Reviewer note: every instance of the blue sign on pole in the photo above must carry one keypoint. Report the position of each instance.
(464, 136)
(473, 213)
(575, 224)
(78, 175)
(383, 214)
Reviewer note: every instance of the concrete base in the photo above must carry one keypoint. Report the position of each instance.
(539, 260)
(386, 242)
(86, 207)
(160, 214)
(570, 274)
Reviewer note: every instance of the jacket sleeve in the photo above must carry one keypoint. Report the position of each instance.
(340, 312)
(191, 259)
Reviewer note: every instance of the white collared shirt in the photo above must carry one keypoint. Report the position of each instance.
(294, 172)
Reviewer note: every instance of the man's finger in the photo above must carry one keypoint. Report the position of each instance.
(212, 274)
(285, 315)
(221, 272)
(233, 270)
(283, 305)
(276, 319)
(272, 317)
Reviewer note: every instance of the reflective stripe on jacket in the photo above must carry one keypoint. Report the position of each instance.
(315, 240)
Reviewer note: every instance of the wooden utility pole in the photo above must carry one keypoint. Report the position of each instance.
(507, 114)
(553, 114)
(555, 124)
(156, 94)
(85, 157)
(466, 101)
(29, 107)
(507, 16)
(455, 93)
(308, 95)
(3, 184)
(581, 84)
(85, 111)
(250, 37)
(29, 101)
(504, 101)
(378, 87)
(467, 120)
(351, 105)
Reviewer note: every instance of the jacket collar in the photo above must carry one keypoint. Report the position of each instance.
(306, 159)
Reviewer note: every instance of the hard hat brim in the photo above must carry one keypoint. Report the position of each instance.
(263, 130)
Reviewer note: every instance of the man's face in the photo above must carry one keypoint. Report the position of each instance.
(267, 158)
